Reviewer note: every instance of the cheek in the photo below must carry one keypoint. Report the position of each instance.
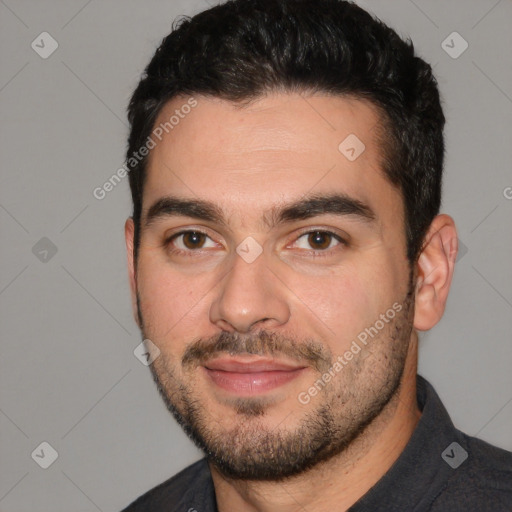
(346, 303)
(173, 305)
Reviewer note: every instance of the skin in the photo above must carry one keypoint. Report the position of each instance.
(248, 160)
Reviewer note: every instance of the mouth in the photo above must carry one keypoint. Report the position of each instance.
(251, 376)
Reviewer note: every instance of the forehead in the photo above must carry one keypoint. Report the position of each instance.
(276, 149)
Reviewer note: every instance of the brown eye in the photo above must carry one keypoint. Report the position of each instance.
(190, 242)
(319, 240)
(193, 239)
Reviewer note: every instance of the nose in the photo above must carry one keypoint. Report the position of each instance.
(249, 297)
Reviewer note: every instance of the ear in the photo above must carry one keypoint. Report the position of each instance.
(435, 269)
(129, 229)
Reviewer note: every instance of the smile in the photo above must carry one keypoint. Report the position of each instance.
(251, 377)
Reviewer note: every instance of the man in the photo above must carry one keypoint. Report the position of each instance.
(285, 248)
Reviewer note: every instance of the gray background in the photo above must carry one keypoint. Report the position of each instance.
(68, 375)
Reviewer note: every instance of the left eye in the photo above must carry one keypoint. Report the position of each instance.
(318, 240)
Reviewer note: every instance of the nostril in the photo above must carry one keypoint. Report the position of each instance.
(261, 321)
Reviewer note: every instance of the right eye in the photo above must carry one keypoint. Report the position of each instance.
(190, 240)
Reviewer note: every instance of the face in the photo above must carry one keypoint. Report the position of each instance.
(272, 276)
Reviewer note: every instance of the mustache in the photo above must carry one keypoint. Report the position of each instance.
(262, 343)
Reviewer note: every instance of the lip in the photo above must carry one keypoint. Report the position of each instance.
(248, 377)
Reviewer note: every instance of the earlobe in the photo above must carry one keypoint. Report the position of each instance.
(129, 230)
(435, 269)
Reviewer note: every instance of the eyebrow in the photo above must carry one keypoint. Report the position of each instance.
(306, 208)
(171, 206)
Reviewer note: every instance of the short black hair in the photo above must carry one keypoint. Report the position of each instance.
(243, 49)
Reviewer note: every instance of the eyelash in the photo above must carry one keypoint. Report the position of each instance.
(315, 252)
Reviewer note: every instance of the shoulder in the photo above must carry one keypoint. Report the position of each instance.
(483, 481)
(171, 494)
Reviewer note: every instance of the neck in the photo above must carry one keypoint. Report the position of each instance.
(338, 483)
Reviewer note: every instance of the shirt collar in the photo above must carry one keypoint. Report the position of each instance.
(420, 473)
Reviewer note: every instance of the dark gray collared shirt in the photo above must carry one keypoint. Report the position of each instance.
(440, 470)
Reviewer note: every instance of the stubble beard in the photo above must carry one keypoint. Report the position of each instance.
(250, 449)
